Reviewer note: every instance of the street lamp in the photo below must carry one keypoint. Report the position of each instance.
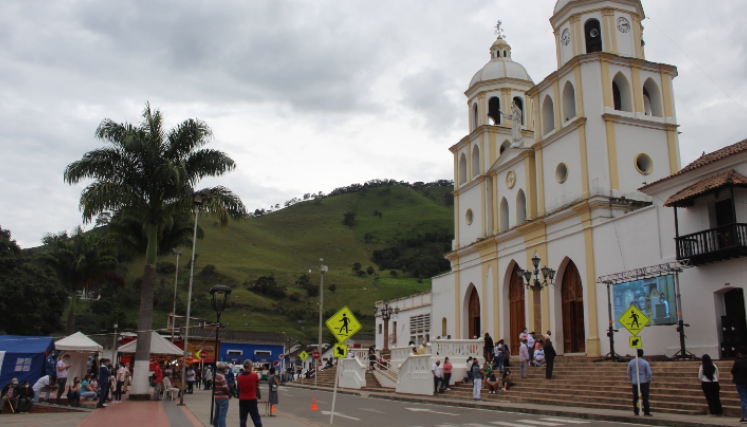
(386, 313)
(176, 277)
(198, 198)
(322, 269)
(548, 276)
(220, 295)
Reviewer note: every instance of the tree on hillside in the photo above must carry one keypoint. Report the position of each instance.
(348, 218)
(80, 261)
(357, 267)
(332, 288)
(31, 298)
(150, 173)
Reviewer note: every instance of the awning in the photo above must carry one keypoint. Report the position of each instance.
(726, 179)
(159, 346)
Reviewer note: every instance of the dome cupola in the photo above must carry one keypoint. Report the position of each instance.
(501, 65)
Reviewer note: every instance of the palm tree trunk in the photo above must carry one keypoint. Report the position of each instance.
(71, 314)
(140, 385)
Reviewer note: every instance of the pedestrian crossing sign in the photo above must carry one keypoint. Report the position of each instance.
(636, 342)
(303, 355)
(343, 324)
(633, 320)
(341, 350)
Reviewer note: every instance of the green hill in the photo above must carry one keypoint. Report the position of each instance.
(412, 231)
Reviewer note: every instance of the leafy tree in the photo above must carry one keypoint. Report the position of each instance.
(370, 270)
(348, 218)
(357, 266)
(266, 285)
(149, 173)
(31, 298)
(332, 288)
(80, 261)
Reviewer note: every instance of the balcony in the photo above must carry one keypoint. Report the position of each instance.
(716, 244)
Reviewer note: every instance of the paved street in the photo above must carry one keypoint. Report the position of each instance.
(355, 411)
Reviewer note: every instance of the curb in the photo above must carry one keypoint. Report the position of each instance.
(570, 412)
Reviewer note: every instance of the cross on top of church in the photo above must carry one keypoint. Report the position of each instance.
(499, 30)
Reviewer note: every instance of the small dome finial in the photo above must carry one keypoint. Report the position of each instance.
(499, 30)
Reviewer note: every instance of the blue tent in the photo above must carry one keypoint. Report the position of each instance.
(23, 358)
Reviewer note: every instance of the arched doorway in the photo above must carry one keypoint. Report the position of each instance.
(474, 314)
(574, 331)
(516, 308)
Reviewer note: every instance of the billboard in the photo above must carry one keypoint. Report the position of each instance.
(655, 297)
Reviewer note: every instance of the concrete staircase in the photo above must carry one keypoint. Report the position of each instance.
(579, 381)
(326, 378)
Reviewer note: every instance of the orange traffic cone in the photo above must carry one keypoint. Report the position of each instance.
(313, 405)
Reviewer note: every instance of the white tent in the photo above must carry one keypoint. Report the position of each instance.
(79, 347)
(159, 346)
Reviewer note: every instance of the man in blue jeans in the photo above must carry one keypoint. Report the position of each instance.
(739, 375)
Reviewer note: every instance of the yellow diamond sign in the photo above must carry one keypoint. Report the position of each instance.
(303, 355)
(341, 351)
(636, 342)
(633, 320)
(343, 324)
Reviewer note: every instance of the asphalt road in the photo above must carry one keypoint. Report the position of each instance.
(356, 411)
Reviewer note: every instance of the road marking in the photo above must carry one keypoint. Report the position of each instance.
(372, 410)
(540, 423)
(431, 411)
(560, 420)
(501, 423)
(337, 414)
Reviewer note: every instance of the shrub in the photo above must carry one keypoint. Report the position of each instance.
(394, 273)
(165, 267)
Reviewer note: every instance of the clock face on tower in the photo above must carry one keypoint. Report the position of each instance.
(623, 25)
(566, 36)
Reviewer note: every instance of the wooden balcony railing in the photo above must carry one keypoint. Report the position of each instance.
(716, 244)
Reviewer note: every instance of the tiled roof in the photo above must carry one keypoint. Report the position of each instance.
(728, 178)
(238, 335)
(706, 159)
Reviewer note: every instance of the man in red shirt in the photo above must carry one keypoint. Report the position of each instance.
(248, 383)
(157, 382)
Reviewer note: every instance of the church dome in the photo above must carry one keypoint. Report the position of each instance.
(501, 65)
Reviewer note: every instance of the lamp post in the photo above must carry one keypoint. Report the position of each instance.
(322, 269)
(386, 313)
(198, 198)
(220, 295)
(535, 284)
(114, 356)
(176, 277)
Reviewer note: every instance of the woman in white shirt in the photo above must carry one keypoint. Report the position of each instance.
(708, 376)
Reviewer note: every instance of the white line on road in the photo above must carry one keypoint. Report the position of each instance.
(502, 423)
(540, 423)
(431, 411)
(372, 410)
(337, 414)
(561, 420)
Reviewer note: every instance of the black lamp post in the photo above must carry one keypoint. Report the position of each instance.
(386, 313)
(219, 300)
(548, 276)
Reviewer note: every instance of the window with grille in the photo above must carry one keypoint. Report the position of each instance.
(420, 328)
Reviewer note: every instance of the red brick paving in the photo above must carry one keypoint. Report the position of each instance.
(128, 414)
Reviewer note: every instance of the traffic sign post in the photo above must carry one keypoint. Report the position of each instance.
(316, 355)
(303, 356)
(343, 325)
(634, 321)
(341, 351)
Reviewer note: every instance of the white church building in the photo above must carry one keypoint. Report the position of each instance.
(581, 172)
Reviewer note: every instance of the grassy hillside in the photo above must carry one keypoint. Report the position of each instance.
(284, 245)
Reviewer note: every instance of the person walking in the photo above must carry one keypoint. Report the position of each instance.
(524, 358)
(208, 377)
(739, 375)
(158, 381)
(191, 377)
(436, 369)
(644, 372)
(487, 349)
(708, 377)
(550, 354)
(478, 374)
(447, 374)
(62, 367)
(222, 395)
(248, 383)
(274, 384)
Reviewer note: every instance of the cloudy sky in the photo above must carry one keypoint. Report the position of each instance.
(306, 95)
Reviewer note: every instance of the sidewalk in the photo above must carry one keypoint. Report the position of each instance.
(659, 419)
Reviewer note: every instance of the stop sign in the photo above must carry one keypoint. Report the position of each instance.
(316, 355)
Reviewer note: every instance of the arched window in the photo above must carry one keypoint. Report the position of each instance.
(475, 117)
(476, 162)
(494, 108)
(504, 215)
(651, 99)
(462, 169)
(504, 146)
(444, 330)
(569, 101)
(521, 208)
(505, 54)
(621, 93)
(593, 31)
(520, 103)
(548, 116)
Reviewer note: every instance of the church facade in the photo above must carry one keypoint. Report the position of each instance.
(559, 182)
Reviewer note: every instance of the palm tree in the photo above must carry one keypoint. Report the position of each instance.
(80, 261)
(150, 173)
